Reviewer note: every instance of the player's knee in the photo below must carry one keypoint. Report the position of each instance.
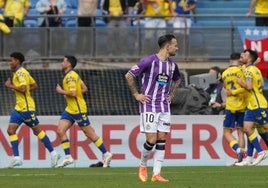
(60, 132)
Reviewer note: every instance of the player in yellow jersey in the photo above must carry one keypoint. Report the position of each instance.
(22, 83)
(257, 111)
(235, 106)
(73, 89)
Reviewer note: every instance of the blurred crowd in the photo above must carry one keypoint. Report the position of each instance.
(115, 13)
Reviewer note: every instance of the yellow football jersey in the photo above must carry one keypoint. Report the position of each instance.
(256, 98)
(73, 82)
(24, 101)
(238, 100)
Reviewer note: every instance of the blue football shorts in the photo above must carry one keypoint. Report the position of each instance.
(233, 119)
(81, 119)
(258, 116)
(29, 118)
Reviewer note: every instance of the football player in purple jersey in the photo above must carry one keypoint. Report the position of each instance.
(160, 79)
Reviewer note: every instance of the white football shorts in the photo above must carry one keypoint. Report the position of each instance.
(151, 122)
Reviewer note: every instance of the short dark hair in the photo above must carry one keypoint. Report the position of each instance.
(253, 54)
(71, 59)
(162, 40)
(19, 56)
(216, 68)
(218, 71)
(235, 56)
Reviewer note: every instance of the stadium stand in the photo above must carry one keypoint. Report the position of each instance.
(214, 9)
(73, 4)
(33, 3)
(210, 14)
(31, 19)
(99, 20)
(70, 20)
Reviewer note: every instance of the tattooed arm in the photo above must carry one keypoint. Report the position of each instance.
(173, 90)
(131, 81)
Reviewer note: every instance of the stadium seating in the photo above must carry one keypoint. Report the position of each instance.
(99, 20)
(70, 23)
(221, 7)
(73, 4)
(33, 3)
(31, 19)
(70, 20)
(204, 7)
(30, 23)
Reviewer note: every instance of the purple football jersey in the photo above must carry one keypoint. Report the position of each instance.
(157, 77)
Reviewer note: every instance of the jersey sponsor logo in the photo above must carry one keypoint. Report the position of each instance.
(166, 124)
(162, 79)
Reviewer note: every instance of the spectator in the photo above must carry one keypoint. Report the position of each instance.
(138, 9)
(182, 22)
(51, 8)
(155, 26)
(15, 11)
(217, 92)
(169, 13)
(115, 11)
(2, 3)
(261, 12)
(132, 4)
(87, 9)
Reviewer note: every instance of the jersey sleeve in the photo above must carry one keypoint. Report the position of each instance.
(140, 67)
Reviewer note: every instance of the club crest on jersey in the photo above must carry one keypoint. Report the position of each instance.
(162, 79)
(148, 126)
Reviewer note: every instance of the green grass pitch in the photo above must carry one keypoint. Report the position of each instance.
(180, 177)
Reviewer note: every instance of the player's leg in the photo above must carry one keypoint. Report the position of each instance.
(65, 124)
(248, 129)
(159, 156)
(34, 125)
(14, 122)
(229, 124)
(47, 143)
(163, 127)
(240, 130)
(233, 143)
(147, 126)
(252, 137)
(263, 133)
(91, 134)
